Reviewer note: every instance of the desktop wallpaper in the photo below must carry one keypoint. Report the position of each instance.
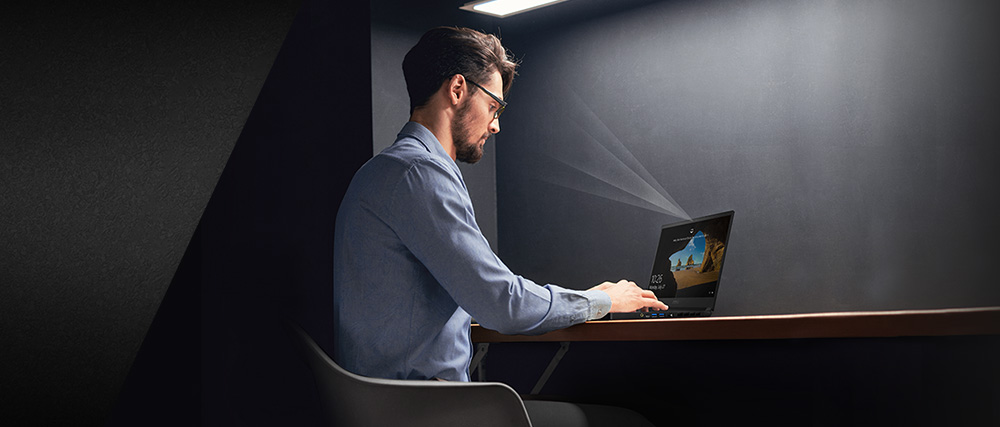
(696, 268)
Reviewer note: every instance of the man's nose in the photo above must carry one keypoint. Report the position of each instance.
(495, 126)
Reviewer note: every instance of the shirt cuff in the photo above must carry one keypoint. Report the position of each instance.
(600, 304)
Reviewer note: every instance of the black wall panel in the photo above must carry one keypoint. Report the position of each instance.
(116, 120)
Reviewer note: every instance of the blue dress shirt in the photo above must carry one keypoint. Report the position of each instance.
(411, 266)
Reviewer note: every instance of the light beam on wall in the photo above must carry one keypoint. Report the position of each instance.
(505, 8)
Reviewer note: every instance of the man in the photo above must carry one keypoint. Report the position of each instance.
(411, 266)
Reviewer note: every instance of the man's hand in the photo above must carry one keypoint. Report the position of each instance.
(627, 297)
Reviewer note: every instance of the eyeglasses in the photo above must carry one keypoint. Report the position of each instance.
(502, 103)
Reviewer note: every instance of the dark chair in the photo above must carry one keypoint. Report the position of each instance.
(353, 400)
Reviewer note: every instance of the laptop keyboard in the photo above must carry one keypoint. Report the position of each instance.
(656, 314)
(667, 314)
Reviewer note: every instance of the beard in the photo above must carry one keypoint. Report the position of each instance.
(467, 148)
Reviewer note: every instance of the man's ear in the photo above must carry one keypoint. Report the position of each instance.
(456, 88)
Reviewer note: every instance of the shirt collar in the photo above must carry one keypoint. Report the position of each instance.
(426, 138)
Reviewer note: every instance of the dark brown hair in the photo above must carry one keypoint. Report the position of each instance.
(443, 52)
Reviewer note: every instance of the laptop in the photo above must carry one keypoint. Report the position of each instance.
(687, 269)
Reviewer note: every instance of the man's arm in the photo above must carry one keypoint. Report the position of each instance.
(432, 215)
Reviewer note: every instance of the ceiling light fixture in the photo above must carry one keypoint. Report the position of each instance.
(505, 8)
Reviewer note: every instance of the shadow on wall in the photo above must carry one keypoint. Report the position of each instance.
(217, 353)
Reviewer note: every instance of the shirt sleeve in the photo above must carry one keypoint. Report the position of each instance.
(433, 216)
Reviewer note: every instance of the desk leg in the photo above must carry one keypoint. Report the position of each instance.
(477, 361)
(563, 348)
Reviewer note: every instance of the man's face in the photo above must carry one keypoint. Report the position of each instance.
(474, 122)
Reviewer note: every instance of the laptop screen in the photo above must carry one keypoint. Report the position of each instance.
(689, 259)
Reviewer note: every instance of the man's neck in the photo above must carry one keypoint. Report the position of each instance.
(440, 125)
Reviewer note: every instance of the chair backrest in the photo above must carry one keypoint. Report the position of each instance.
(354, 400)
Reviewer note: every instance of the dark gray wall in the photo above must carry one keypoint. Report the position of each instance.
(855, 140)
(116, 120)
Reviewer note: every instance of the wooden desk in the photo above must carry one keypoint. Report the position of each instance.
(863, 324)
(844, 368)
